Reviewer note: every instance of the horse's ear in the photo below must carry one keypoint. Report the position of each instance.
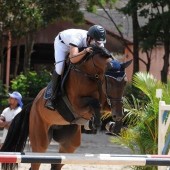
(126, 64)
(114, 65)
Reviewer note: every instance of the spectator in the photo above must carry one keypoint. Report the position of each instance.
(15, 106)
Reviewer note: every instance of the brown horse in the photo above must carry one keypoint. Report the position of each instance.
(91, 86)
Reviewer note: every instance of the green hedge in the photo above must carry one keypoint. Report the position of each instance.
(31, 83)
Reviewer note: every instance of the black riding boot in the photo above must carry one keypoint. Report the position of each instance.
(55, 86)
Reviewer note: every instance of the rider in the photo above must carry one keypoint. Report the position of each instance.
(68, 42)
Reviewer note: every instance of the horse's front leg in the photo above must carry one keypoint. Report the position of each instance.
(69, 141)
(38, 134)
(92, 107)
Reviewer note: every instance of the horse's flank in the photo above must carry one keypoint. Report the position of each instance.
(48, 116)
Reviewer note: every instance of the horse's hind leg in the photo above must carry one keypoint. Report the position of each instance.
(38, 134)
(69, 139)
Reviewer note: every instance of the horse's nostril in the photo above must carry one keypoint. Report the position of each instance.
(117, 118)
(114, 117)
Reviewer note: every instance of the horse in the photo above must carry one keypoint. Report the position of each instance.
(91, 86)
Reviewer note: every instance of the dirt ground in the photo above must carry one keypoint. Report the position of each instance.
(91, 143)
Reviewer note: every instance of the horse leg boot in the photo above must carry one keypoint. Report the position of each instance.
(55, 86)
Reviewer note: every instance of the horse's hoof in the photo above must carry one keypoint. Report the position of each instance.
(53, 167)
(56, 166)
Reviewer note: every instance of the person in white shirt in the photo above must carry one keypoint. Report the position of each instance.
(68, 42)
(7, 115)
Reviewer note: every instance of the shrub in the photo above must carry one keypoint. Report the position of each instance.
(3, 96)
(31, 83)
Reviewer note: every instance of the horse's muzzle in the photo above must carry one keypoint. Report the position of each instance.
(117, 116)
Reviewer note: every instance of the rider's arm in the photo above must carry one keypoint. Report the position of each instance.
(75, 56)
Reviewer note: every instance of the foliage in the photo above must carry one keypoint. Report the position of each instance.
(17, 15)
(65, 9)
(141, 136)
(149, 22)
(93, 4)
(131, 90)
(153, 16)
(24, 17)
(156, 29)
(3, 100)
(2, 88)
(30, 84)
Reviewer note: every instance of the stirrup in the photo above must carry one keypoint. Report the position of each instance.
(49, 105)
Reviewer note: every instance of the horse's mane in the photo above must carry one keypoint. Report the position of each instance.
(96, 50)
(100, 50)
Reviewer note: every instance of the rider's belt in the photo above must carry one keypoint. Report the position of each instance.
(61, 39)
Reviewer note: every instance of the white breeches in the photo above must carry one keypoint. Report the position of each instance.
(60, 52)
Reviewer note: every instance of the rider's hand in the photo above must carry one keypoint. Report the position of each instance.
(89, 50)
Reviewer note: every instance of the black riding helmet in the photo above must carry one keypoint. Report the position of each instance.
(98, 33)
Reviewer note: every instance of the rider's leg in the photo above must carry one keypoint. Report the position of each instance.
(61, 50)
(56, 79)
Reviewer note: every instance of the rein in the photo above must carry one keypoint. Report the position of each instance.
(95, 77)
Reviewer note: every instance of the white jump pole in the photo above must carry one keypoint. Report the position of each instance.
(90, 159)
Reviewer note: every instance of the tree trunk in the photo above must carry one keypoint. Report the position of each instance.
(135, 41)
(1, 57)
(148, 63)
(17, 58)
(164, 71)
(28, 51)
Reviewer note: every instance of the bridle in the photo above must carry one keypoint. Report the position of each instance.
(111, 100)
(99, 79)
(96, 76)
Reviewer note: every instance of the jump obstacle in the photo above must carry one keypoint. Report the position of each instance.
(162, 159)
(90, 159)
(163, 134)
(163, 126)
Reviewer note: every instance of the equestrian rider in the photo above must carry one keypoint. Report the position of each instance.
(68, 42)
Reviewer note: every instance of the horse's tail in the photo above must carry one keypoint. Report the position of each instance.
(17, 134)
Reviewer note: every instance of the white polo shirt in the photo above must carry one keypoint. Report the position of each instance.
(75, 37)
(62, 43)
(9, 114)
